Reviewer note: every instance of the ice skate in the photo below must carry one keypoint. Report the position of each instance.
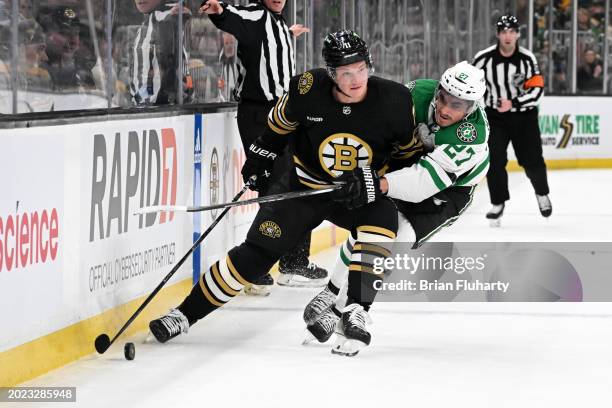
(351, 332)
(545, 205)
(169, 325)
(262, 287)
(322, 328)
(309, 276)
(319, 304)
(494, 215)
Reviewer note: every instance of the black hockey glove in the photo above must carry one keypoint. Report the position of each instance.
(259, 162)
(361, 187)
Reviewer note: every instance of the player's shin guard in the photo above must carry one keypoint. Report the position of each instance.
(215, 288)
(343, 261)
(372, 247)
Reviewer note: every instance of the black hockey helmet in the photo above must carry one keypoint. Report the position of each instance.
(507, 22)
(344, 47)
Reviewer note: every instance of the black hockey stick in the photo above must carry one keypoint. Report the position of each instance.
(103, 342)
(258, 200)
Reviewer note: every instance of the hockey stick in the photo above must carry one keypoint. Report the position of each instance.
(258, 200)
(103, 342)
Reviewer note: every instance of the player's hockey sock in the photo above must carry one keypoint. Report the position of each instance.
(340, 271)
(372, 247)
(215, 288)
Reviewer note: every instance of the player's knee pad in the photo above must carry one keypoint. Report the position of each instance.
(250, 261)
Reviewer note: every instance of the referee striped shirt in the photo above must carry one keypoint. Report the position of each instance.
(517, 78)
(266, 59)
(153, 60)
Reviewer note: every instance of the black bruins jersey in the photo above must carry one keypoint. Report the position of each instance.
(329, 137)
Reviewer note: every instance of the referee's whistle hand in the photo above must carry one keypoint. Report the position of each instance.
(210, 7)
(298, 29)
(504, 105)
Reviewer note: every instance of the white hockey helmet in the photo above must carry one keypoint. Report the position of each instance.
(464, 81)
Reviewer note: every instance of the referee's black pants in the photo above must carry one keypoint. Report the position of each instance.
(522, 129)
(252, 120)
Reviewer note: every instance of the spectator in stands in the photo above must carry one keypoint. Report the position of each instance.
(32, 55)
(154, 58)
(203, 60)
(34, 80)
(560, 84)
(228, 66)
(5, 68)
(590, 73)
(68, 70)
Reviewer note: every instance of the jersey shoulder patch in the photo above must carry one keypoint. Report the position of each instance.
(423, 93)
(466, 132)
(471, 131)
(307, 83)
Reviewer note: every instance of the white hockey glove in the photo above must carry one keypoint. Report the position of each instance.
(426, 137)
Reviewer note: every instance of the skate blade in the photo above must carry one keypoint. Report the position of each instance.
(308, 338)
(149, 339)
(257, 290)
(297, 281)
(495, 223)
(347, 347)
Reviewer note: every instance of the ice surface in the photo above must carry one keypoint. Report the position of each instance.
(422, 354)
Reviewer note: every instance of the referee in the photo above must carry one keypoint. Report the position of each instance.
(514, 88)
(266, 62)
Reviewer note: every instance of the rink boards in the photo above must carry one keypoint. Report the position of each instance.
(75, 262)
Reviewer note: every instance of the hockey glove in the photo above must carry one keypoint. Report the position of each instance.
(361, 187)
(426, 136)
(259, 163)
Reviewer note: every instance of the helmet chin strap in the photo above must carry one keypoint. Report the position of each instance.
(341, 91)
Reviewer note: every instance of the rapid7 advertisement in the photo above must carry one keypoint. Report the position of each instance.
(128, 165)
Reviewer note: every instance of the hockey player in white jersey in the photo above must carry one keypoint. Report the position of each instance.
(430, 194)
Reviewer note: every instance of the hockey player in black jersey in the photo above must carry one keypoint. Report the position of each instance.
(343, 125)
(430, 194)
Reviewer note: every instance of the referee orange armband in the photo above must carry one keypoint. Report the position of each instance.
(536, 81)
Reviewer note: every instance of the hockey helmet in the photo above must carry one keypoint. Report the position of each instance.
(464, 81)
(507, 22)
(343, 48)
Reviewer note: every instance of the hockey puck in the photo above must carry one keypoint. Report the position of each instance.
(129, 351)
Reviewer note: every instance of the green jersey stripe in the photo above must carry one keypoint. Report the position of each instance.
(433, 173)
(475, 172)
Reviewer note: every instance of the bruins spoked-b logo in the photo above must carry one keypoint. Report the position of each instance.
(270, 229)
(466, 132)
(305, 83)
(342, 152)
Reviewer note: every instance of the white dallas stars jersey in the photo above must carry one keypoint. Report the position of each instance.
(460, 156)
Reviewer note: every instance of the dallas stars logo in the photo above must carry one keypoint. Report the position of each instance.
(466, 132)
